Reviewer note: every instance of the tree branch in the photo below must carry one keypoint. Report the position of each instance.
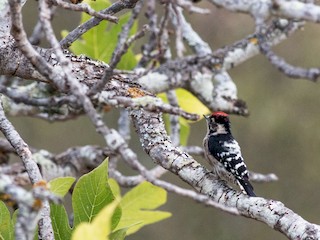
(33, 171)
(157, 144)
(67, 86)
(94, 21)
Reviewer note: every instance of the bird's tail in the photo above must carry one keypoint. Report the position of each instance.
(247, 187)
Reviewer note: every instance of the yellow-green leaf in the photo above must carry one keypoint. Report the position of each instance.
(119, 234)
(60, 186)
(115, 188)
(6, 225)
(138, 205)
(99, 228)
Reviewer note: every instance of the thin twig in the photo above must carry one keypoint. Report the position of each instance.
(121, 48)
(174, 120)
(32, 169)
(288, 69)
(83, 7)
(171, 188)
(83, 28)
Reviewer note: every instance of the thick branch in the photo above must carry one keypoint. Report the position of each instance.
(157, 144)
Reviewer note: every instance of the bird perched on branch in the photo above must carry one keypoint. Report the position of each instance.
(224, 154)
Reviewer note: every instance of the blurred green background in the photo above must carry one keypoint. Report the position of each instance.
(281, 135)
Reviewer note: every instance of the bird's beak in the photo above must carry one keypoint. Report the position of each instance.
(205, 117)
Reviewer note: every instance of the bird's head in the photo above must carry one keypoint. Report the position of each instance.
(218, 123)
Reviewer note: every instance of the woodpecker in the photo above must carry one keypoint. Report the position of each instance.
(224, 154)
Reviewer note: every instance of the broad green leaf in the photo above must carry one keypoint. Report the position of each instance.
(99, 228)
(119, 234)
(60, 222)
(91, 194)
(6, 225)
(145, 195)
(60, 186)
(100, 41)
(14, 217)
(115, 188)
(136, 203)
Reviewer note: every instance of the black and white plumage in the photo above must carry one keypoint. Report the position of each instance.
(224, 154)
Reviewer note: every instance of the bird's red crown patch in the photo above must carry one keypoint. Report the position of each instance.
(219, 114)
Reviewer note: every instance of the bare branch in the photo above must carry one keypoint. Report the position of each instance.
(83, 7)
(20, 146)
(187, 5)
(262, 178)
(286, 68)
(174, 120)
(25, 47)
(83, 28)
(33, 171)
(121, 48)
(193, 39)
(124, 124)
(297, 10)
(147, 102)
(30, 205)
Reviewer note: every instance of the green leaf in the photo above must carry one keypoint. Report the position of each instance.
(96, 215)
(115, 188)
(60, 222)
(136, 203)
(119, 234)
(92, 193)
(99, 228)
(6, 225)
(100, 41)
(60, 186)
(14, 217)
